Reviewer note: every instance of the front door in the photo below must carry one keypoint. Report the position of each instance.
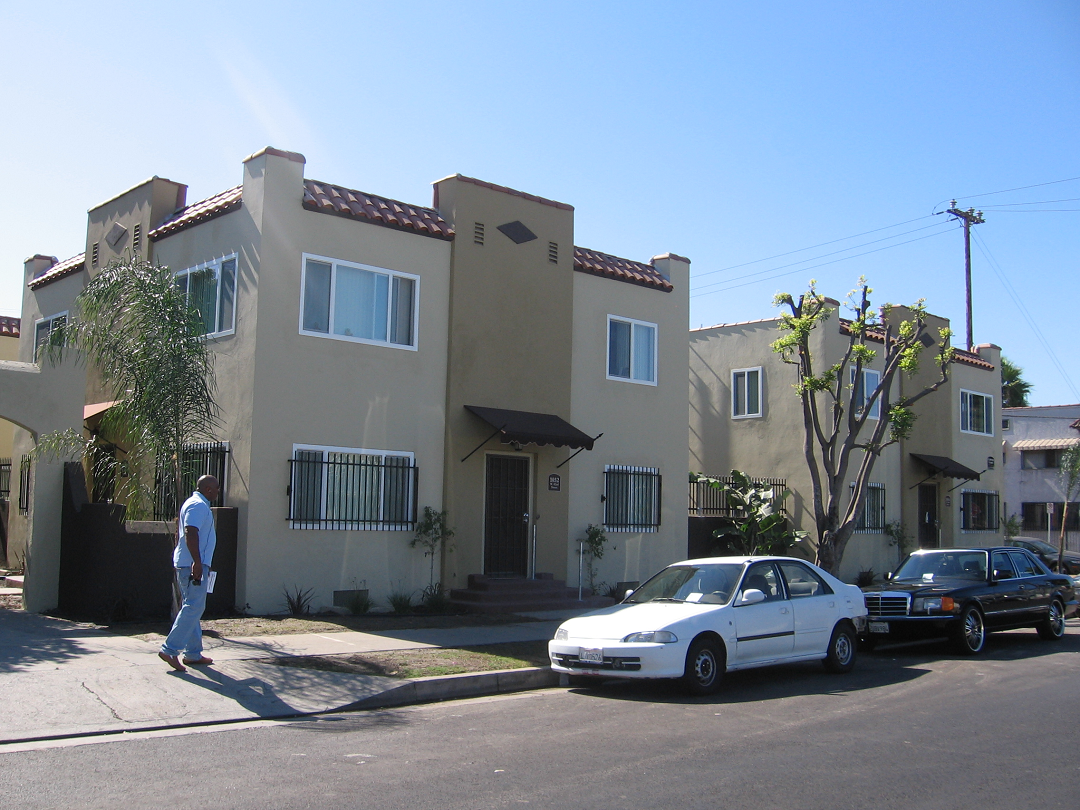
(928, 519)
(506, 517)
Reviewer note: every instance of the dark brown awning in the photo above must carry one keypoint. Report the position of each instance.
(526, 427)
(947, 467)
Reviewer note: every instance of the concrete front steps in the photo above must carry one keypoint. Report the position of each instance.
(519, 595)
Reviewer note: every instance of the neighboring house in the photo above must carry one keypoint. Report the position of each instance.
(941, 484)
(9, 350)
(1034, 439)
(375, 357)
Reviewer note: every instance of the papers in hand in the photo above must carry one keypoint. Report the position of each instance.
(211, 578)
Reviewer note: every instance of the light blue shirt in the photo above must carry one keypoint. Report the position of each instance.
(196, 512)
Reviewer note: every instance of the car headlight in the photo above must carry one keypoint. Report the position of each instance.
(561, 634)
(651, 637)
(925, 604)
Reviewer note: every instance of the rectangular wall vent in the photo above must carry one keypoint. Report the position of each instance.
(94, 255)
(553, 252)
(136, 238)
(478, 233)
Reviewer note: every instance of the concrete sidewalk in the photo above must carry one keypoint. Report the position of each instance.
(61, 679)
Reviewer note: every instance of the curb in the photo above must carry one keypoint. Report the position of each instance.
(452, 687)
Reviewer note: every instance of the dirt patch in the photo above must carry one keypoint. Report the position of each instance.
(10, 601)
(428, 662)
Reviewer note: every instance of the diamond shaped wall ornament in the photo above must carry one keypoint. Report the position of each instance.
(518, 232)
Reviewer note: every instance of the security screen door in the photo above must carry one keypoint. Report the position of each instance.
(928, 518)
(506, 517)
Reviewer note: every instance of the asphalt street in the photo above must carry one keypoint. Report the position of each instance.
(913, 727)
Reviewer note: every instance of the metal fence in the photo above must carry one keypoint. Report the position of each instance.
(205, 458)
(352, 491)
(708, 500)
(5, 479)
(24, 485)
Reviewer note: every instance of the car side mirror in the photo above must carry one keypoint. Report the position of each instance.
(628, 592)
(888, 576)
(751, 596)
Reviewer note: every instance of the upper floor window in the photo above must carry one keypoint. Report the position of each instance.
(344, 488)
(631, 350)
(631, 498)
(745, 392)
(211, 288)
(865, 385)
(976, 413)
(1040, 459)
(358, 302)
(44, 328)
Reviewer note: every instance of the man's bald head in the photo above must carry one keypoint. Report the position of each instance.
(208, 486)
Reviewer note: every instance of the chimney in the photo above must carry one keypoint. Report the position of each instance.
(37, 265)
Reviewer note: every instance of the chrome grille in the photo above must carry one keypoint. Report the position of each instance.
(887, 604)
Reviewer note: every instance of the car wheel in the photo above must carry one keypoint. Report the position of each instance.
(841, 656)
(704, 667)
(970, 632)
(1053, 626)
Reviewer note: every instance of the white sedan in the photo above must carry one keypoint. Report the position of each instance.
(696, 619)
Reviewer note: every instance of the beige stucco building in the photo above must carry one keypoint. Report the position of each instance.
(941, 484)
(374, 357)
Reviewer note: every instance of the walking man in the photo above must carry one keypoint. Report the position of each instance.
(191, 559)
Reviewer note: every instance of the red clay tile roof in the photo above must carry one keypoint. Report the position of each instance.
(198, 212)
(65, 268)
(603, 264)
(959, 355)
(971, 359)
(9, 327)
(504, 190)
(344, 202)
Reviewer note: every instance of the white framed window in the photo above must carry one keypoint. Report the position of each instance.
(358, 302)
(976, 413)
(631, 350)
(211, 288)
(44, 327)
(351, 488)
(865, 385)
(872, 515)
(745, 392)
(1006, 424)
(978, 510)
(631, 498)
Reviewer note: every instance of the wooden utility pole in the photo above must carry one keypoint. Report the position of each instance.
(969, 217)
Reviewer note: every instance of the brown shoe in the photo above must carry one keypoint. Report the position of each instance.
(172, 661)
(201, 662)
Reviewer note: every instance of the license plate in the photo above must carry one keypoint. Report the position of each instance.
(588, 655)
(879, 627)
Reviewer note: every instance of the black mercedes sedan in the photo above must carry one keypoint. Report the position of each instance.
(965, 593)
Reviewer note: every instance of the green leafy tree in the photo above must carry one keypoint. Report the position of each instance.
(145, 341)
(1014, 388)
(841, 442)
(1069, 474)
(760, 525)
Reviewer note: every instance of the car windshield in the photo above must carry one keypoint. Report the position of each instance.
(709, 584)
(934, 565)
(1039, 546)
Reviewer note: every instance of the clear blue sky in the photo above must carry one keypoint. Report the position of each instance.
(729, 132)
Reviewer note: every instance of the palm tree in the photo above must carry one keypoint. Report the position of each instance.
(1014, 388)
(146, 342)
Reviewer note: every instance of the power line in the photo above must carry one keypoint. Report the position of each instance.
(815, 258)
(1036, 202)
(1023, 310)
(1007, 190)
(811, 247)
(823, 264)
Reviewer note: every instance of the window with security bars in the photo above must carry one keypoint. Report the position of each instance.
(978, 511)
(872, 515)
(631, 498)
(203, 458)
(24, 485)
(5, 479)
(338, 488)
